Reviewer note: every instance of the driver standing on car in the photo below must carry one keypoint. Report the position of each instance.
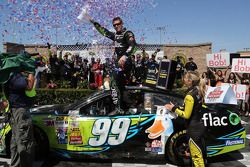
(191, 111)
(15, 90)
(125, 46)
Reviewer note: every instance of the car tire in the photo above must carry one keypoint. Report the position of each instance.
(41, 144)
(177, 149)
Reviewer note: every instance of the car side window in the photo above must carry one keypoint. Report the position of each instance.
(101, 107)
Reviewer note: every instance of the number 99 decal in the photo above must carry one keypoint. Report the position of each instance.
(115, 134)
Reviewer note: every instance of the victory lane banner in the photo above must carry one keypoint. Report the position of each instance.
(221, 59)
(241, 65)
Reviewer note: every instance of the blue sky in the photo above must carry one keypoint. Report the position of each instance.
(225, 23)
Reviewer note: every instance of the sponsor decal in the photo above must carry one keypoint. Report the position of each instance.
(75, 136)
(74, 118)
(61, 118)
(61, 134)
(114, 95)
(210, 120)
(74, 124)
(234, 142)
(148, 147)
(156, 146)
(61, 122)
(216, 93)
(49, 122)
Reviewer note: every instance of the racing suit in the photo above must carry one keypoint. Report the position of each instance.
(191, 111)
(125, 45)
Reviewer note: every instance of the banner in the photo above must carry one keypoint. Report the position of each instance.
(239, 90)
(241, 65)
(221, 94)
(221, 59)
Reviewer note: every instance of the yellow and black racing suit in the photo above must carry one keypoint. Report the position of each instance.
(125, 45)
(191, 111)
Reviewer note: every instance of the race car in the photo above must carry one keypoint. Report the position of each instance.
(94, 127)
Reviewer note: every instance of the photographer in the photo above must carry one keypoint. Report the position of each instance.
(20, 120)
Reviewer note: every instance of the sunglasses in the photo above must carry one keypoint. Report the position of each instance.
(117, 24)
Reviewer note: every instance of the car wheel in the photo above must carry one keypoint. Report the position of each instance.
(41, 144)
(177, 149)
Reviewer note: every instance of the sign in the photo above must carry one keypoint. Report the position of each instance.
(221, 94)
(221, 59)
(163, 73)
(152, 75)
(166, 74)
(241, 65)
(239, 90)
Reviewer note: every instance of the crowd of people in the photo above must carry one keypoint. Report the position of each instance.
(96, 74)
(216, 77)
(75, 70)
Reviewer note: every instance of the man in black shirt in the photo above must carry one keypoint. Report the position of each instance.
(191, 66)
(22, 139)
(125, 46)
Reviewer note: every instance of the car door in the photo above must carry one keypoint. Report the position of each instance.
(224, 130)
(102, 129)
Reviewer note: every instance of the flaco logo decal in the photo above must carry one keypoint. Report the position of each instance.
(210, 120)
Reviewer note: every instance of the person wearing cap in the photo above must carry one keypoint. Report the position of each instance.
(152, 62)
(191, 65)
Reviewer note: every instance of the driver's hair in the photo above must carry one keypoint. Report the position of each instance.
(117, 18)
(194, 76)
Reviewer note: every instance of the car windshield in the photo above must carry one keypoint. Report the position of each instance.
(80, 101)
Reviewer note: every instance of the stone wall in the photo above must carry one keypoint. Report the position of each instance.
(42, 49)
(197, 51)
(17, 48)
(13, 47)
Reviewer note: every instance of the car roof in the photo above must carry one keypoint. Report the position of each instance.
(104, 93)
